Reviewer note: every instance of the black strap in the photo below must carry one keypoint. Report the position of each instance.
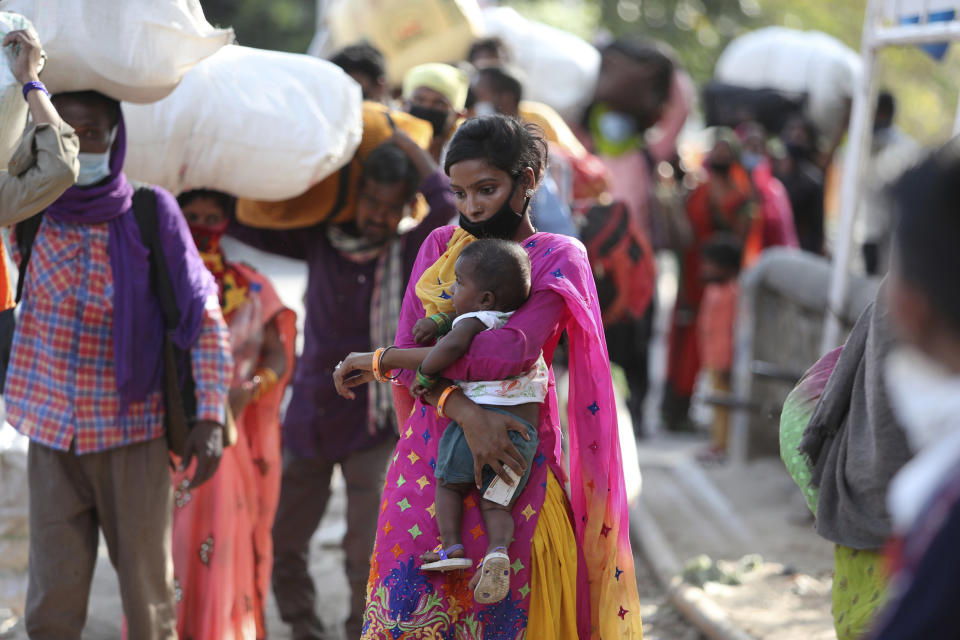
(26, 232)
(145, 213)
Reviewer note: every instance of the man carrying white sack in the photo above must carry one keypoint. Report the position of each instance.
(45, 165)
(86, 383)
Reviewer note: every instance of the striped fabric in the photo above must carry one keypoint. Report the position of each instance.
(61, 388)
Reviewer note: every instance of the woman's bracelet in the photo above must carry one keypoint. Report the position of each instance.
(442, 402)
(378, 374)
(34, 85)
(443, 323)
(425, 381)
(376, 364)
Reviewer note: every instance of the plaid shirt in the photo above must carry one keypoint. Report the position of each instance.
(61, 388)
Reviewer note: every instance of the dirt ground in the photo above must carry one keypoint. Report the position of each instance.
(727, 512)
(777, 606)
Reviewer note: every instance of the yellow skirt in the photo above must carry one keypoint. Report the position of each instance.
(553, 580)
(859, 590)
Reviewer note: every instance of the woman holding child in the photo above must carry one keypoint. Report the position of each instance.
(568, 571)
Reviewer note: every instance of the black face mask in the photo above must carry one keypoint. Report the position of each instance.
(503, 224)
(436, 117)
(720, 167)
(797, 151)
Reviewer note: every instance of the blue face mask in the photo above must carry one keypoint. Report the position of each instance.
(750, 160)
(616, 126)
(94, 167)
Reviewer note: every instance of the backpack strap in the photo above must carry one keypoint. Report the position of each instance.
(26, 232)
(145, 213)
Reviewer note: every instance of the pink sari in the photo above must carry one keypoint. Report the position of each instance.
(402, 601)
(222, 544)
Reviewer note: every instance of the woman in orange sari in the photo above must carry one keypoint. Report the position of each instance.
(222, 547)
(724, 201)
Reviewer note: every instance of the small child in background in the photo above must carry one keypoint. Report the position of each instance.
(493, 280)
(923, 381)
(719, 271)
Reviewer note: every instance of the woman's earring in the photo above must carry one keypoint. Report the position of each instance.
(529, 193)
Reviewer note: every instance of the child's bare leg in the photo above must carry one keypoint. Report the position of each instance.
(498, 521)
(449, 506)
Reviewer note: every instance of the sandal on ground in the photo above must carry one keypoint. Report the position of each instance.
(494, 581)
(446, 563)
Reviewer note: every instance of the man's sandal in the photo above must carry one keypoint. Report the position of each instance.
(494, 581)
(446, 563)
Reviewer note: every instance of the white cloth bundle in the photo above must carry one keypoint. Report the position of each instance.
(253, 123)
(135, 50)
(13, 108)
(797, 61)
(560, 69)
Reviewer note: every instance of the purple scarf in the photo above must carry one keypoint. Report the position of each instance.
(138, 326)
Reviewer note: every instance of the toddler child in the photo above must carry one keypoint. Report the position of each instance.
(492, 281)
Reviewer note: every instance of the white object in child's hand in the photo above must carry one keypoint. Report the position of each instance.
(499, 491)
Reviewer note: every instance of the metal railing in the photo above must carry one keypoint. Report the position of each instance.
(878, 33)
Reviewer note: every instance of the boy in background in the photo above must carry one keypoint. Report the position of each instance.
(720, 264)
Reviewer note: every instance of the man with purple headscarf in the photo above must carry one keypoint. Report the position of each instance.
(85, 384)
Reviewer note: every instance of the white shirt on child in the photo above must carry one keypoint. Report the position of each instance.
(530, 386)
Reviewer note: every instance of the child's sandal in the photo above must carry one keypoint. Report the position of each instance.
(494, 581)
(446, 563)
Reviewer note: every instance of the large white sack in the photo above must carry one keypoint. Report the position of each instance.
(13, 108)
(253, 123)
(408, 32)
(792, 60)
(559, 68)
(133, 50)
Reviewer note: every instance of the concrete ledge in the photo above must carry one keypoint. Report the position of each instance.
(692, 602)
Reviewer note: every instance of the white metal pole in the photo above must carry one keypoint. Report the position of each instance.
(956, 120)
(321, 32)
(858, 145)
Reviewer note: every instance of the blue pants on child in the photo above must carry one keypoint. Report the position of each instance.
(455, 460)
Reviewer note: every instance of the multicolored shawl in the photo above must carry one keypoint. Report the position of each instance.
(797, 410)
(233, 286)
(384, 306)
(404, 602)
